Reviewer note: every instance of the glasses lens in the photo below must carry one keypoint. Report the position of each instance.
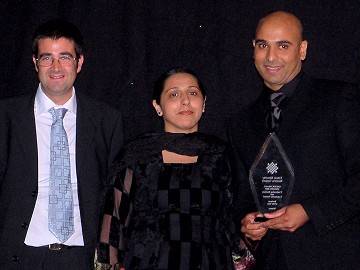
(66, 60)
(45, 61)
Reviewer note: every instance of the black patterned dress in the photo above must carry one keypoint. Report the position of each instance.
(170, 215)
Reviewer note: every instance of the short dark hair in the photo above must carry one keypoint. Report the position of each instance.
(55, 29)
(160, 82)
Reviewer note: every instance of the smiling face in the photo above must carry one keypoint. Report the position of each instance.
(57, 79)
(279, 49)
(181, 103)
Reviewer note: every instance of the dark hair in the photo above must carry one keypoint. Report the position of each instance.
(56, 29)
(159, 84)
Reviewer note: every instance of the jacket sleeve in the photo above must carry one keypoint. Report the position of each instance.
(117, 139)
(3, 143)
(341, 203)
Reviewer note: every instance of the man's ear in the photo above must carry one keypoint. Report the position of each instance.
(35, 63)
(303, 49)
(80, 63)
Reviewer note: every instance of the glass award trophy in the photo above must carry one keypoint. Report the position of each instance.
(271, 176)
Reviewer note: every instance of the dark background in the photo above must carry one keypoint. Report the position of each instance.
(129, 43)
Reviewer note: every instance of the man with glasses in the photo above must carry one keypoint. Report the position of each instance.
(55, 150)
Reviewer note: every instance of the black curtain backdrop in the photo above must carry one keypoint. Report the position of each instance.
(129, 43)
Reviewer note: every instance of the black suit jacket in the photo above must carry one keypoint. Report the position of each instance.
(320, 132)
(98, 139)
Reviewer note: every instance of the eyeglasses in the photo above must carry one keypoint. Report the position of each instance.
(48, 60)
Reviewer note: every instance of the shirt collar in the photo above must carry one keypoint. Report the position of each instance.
(43, 103)
(289, 88)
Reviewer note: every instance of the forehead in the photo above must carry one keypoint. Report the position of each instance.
(278, 30)
(49, 45)
(179, 80)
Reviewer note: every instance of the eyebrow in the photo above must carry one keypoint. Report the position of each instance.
(44, 54)
(50, 54)
(283, 42)
(280, 42)
(171, 88)
(260, 41)
(177, 88)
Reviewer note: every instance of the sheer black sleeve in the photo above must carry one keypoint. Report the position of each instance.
(116, 219)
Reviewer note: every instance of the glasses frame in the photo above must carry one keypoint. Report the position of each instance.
(58, 59)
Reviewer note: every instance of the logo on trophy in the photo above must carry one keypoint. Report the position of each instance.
(271, 176)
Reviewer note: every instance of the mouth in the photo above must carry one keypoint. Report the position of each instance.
(56, 76)
(186, 112)
(272, 69)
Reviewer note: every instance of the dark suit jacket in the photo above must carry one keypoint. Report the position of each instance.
(98, 139)
(320, 132)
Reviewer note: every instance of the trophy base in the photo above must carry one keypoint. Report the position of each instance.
(260, 219)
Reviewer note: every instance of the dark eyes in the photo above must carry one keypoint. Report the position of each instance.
(174, 94)
(284, 46)
(264, 46)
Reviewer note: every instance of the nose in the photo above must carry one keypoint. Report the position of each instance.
(56, 64)
(271, 54)
(185, 99)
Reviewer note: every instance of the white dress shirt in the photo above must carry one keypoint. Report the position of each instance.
(38, 233)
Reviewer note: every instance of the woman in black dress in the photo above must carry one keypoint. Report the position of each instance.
(171, 207)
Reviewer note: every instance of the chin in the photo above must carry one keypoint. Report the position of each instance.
(188, 129)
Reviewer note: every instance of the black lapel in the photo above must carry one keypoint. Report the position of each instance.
(259, 114)
(85, 130)
(257, 128)
(24, 130)
(299, 103)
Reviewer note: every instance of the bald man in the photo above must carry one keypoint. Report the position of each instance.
(319, 128)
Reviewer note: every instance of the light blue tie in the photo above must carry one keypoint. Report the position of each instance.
(61, 211)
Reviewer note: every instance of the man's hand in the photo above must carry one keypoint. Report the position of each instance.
(288, 218)
(251, 229)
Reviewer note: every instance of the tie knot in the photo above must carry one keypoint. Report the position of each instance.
(276, 98)
(57, 114)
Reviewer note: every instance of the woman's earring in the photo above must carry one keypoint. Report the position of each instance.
(159, 113)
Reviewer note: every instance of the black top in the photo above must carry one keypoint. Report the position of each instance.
(170, 215)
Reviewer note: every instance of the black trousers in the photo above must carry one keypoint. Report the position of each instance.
(42, 258)
(271, 256)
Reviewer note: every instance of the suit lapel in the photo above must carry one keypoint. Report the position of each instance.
(258, 131)
(85, 130)
(298, 105)
(25, 132)
(259, 115)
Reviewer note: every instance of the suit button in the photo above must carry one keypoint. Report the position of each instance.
(15, 258)
(24, 225)
(33, 194)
